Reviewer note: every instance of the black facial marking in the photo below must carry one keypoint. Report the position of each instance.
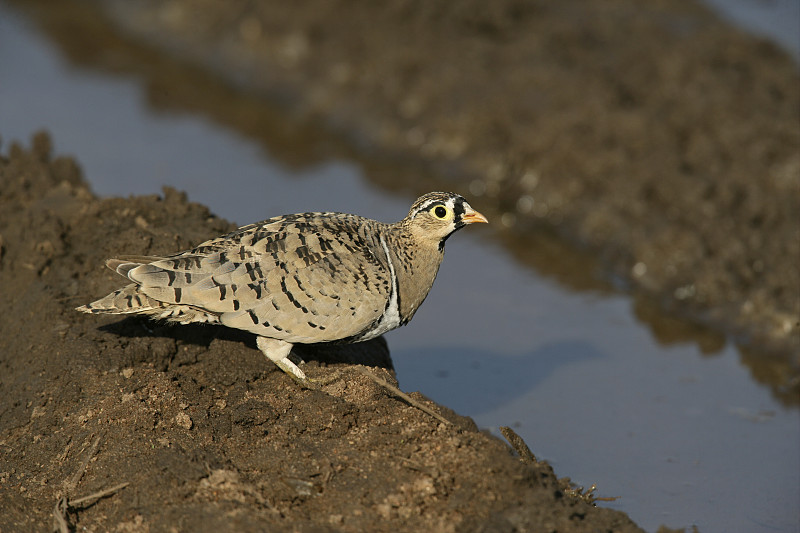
(458, 208)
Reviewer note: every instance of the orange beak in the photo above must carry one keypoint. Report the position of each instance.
(471, 217)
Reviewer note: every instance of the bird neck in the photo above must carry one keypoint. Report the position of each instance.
(416, 262)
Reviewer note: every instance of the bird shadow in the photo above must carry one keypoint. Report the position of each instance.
(374, 353)
(475, 381)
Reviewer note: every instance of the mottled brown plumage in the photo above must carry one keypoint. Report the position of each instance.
(303, 278)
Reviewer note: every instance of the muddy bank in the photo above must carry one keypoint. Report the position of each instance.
(656, 136)
(207, 434)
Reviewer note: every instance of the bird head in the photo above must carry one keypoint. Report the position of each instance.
(437, 215)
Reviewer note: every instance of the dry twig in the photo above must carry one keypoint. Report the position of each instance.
(402, 395)
(64, 504)
(516, 442)
(76, 478)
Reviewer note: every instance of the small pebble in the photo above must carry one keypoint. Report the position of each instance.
(183, 420)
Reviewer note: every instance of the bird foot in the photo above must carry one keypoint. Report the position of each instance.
(278, 352)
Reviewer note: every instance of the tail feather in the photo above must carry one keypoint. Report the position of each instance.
(152, 294)
(131, 301)
(125, 263)
(123, 301)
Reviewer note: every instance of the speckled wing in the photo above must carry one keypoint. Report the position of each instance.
(313, 277)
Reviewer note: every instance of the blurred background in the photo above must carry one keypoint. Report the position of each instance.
(631, 310)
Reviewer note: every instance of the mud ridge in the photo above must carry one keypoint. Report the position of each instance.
(125, 425)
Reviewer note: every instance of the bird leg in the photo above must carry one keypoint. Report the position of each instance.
(277, 351)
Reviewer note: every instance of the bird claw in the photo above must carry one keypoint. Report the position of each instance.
(304, 381)
(318, 383)
(331, 377)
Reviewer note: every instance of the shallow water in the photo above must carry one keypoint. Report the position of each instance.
(777, 20)
(674, 424)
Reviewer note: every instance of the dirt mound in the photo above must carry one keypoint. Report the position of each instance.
(207, 434)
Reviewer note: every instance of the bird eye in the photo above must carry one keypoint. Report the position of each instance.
(440, 212)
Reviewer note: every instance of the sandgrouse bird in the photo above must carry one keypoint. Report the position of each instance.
(304, 278)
